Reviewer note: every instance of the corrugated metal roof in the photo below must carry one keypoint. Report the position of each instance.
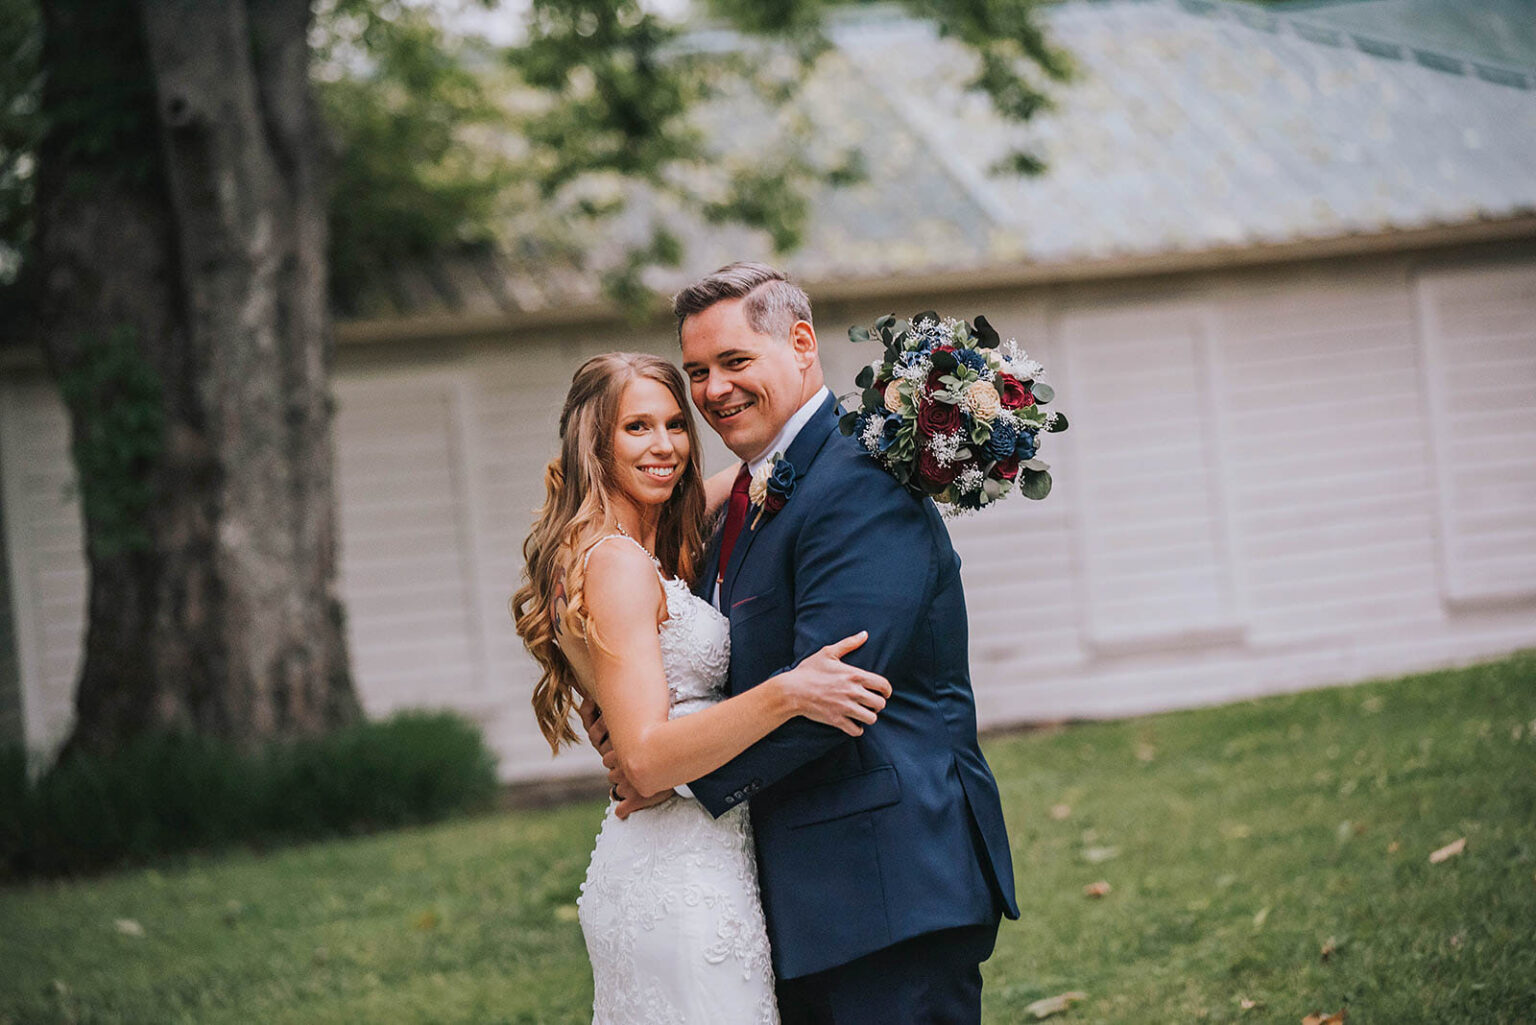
(1193, 125)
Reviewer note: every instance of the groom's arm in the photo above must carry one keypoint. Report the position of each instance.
(865, 564)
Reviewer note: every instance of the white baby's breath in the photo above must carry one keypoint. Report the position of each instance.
(946, 447)
(871, 436)
(970, 480)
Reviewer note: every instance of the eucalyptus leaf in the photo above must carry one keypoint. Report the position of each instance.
(944, 361)
(1042, 392)
(1059, 425)
(1035, 485)
(873, 399)
(858, 333)
(1038, 465)
(991, 489)
(846, 422)
(866, 377)
(925, 315)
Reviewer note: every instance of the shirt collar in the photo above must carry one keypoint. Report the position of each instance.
(791, 428)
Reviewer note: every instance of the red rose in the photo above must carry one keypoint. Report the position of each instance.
(935, 417)
(933, 384)
(1013, 393)
(1008, 468)
(943, 348)
(773, 501)
(934, 472)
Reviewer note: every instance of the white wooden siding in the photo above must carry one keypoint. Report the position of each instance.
(1274, 480)
(1478, 328)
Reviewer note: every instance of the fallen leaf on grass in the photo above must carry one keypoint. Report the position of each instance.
(1054, 1005)
(426, 921)
(1450, 850)
(566, 913)
(1331, 946)
(1061, 811)
(1336, 1018)
(1098, 889)
(128, 927)
(1099, 855)
(1260, 917)
(1394, 847)
(1145, 752)
(1249, 1005)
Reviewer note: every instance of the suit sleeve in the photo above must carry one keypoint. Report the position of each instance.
(866, 563)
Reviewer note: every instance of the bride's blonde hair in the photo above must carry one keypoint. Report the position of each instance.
(580, 487)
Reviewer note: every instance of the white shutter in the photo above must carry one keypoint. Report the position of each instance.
(46, 555)
(1154, 552)
(407, 568)
(1478, 327)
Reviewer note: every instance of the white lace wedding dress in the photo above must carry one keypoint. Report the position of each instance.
(670, 907)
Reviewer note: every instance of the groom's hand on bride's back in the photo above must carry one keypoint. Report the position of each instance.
(592, 719)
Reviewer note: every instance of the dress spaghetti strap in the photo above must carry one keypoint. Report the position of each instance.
(593, 547)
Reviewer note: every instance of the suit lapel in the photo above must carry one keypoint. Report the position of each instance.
(802, 452)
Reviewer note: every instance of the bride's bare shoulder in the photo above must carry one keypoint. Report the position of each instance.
(617, 572)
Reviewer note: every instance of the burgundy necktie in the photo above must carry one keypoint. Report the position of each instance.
(735, 517)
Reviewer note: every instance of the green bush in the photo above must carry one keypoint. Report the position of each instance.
(171, 793)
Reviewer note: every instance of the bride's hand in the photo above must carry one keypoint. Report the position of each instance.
(826, 689)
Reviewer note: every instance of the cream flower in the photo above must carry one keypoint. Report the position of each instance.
(758, 489)
(982, 401)
(894, 400)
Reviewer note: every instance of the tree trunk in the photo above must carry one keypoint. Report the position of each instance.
(181, 242)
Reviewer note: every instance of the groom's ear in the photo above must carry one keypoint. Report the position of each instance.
(802, 339)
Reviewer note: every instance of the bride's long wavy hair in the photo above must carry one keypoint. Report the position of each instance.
(580, 488)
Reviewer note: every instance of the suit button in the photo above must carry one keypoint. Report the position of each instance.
(730, 798)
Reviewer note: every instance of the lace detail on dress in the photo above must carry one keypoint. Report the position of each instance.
(670, 908)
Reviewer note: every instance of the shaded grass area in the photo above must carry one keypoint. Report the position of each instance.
(1237, 843)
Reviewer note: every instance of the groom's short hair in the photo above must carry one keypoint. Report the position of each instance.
(773, 303)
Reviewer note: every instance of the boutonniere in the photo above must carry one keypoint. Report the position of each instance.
(771, 487)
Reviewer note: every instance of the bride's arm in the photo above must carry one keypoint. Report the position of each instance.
(717, 488)
(656, 754)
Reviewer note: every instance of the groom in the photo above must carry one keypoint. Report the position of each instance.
(883, 859)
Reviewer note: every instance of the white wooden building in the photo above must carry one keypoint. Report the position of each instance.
(1283, 281)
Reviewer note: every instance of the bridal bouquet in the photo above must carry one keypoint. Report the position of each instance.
(953, 412)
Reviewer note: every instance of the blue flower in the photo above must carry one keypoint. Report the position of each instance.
(781, 481)
(1004, 438)
(971, 358)
(1025, 447)
(888, 432)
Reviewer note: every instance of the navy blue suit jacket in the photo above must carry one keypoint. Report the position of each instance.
(862, 841)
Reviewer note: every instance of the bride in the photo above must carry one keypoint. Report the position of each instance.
(670, 909)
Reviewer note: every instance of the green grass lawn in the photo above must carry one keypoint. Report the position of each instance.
(1238, 843)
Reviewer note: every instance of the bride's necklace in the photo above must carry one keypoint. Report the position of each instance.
(627, 534)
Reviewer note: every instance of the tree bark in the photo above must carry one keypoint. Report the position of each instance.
(191, 244)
